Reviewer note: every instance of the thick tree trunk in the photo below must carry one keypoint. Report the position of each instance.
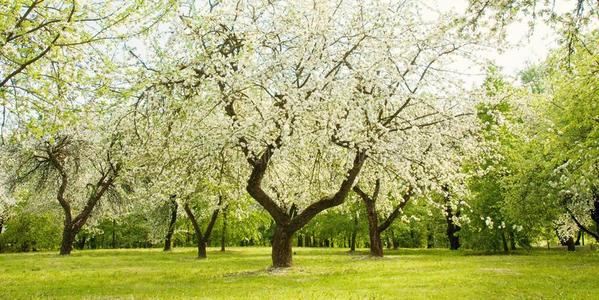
(281, 247)
(171, 226)
(202, 249)
(376, 245)
(68, 236)
(570, 244)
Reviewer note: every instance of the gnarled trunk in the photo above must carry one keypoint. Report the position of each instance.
(68, 236)
(376, 245)
(281, 247)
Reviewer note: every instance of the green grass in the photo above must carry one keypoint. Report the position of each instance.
(318, 273)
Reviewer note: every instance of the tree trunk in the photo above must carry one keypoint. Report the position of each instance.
(171, 226)
(202, 249)
(68, 236)
(452, 228)
(394, 241)
(570, 244)
(376, 245)
(81, 242)
(281, 247)
(504, 242)
(203, 238)
(512, 240)
(223, 236)
(579, 235)
(352, 242)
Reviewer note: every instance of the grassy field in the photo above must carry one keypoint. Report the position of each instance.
(318, 273)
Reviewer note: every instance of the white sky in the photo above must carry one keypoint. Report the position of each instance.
(522, 47)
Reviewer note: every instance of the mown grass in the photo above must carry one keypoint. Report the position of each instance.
(318, 273)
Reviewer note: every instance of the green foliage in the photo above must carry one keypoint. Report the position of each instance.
(31, 231)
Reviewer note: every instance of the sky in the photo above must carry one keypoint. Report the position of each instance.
(522, 47)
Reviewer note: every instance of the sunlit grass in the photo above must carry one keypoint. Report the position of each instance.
(318, 273)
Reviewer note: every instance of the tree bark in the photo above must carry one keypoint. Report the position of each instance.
(289, 222)
(171, 225)
(81, 242)
(68, 236)
(202, 249)
(203, 237)
(72, 226)
(281, 247)
(374, 229)
(354, 233)
(570, 244)
(376, 245)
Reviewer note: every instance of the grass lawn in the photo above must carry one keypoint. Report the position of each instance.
(318, 273)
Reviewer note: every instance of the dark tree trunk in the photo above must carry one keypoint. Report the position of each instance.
(202, 249)
(81, 242)
(452, 228)
(376, 244)
(395, 241)
(290, 221)
(570, 244)
(374, 229)
(512, 240)
(578, 237)
(72, 226)
(202, 237)
(113, 234)
(354, 234)
(68, 236)
(504, 242)
(171, 225)
(281, 247)
(430, 239)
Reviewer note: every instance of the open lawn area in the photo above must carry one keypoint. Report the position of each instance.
(317, 273)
